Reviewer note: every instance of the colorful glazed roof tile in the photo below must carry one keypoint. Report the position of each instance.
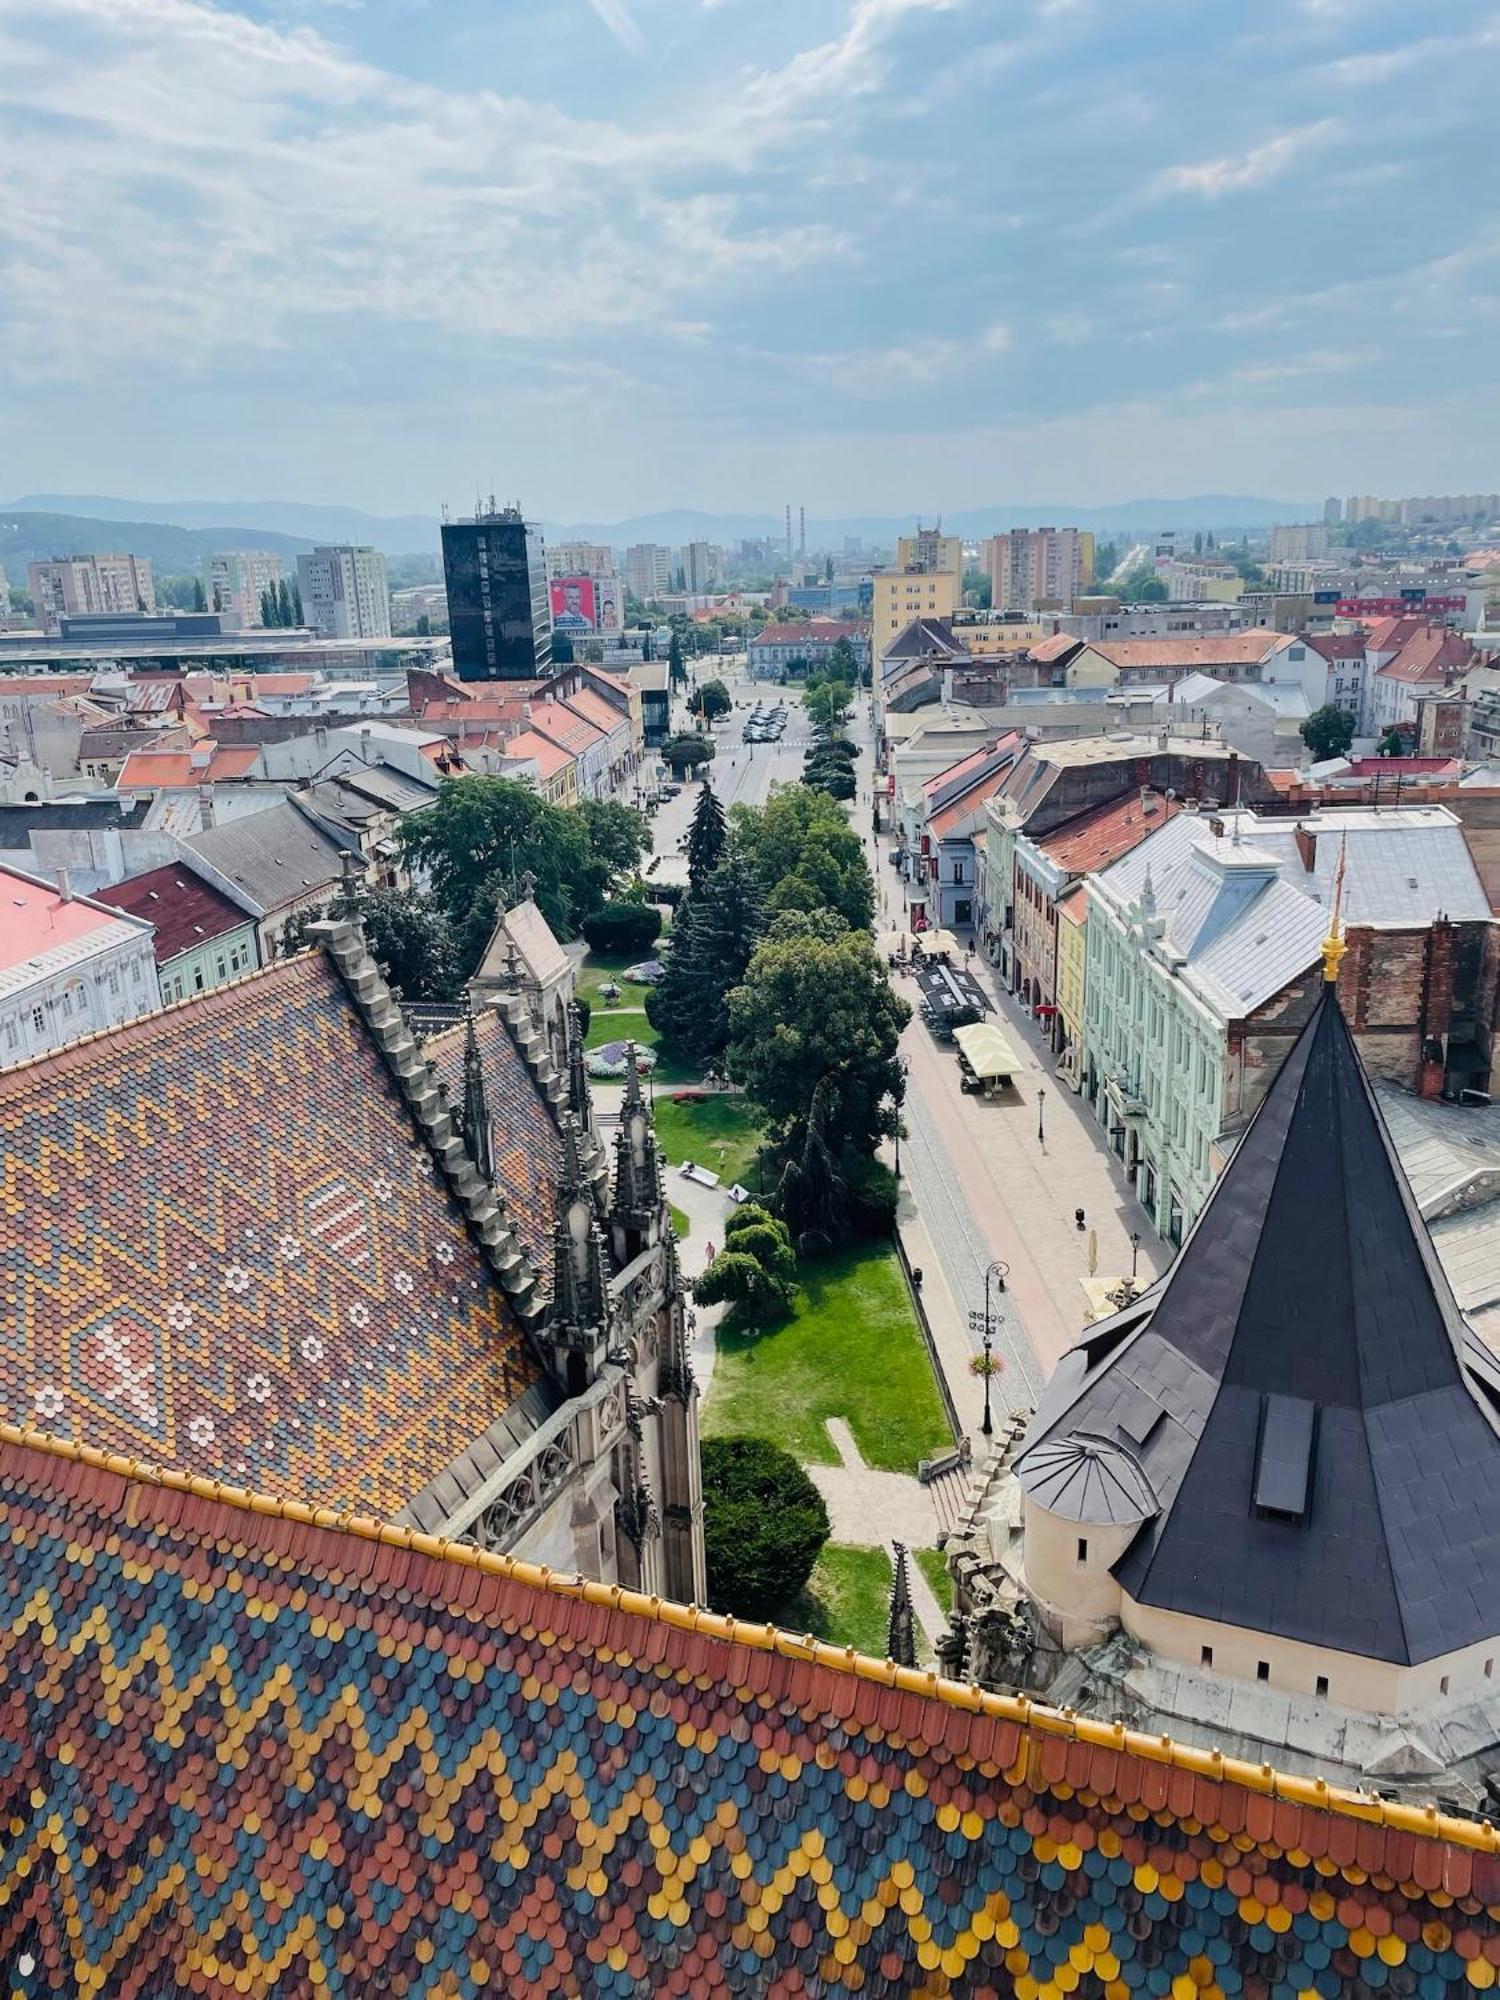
(253, 1750)
(524, 1137)
(224, 1246)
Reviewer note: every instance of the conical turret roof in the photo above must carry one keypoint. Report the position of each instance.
(1316, 1460)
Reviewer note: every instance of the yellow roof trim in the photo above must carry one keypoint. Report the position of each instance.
(1425, 1821)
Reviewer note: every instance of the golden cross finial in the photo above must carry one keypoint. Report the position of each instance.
(1334, 945)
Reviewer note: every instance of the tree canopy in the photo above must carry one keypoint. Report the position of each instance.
(481, 835)
(764, 1526)
(686, 752)
(707, 837)
(705, 956)
(711, 700)
(814, 1011)
(408, 934)
(1328, 731)
(805, 855)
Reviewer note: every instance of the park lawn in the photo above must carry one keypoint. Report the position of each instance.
(933, 1564)
(720, 1133)
(847, 1599)
(851, 1348)
(600, 968)
(622, 1023)
(681, 1222)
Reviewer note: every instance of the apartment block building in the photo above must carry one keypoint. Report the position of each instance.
(345, 594)
(83, 586)
(580, 559)
(648, 569)
(237, 579)
(1032, 566)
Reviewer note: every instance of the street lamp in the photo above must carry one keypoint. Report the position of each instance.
(994, 1279)
(1135, 1251)
(1041, 1136)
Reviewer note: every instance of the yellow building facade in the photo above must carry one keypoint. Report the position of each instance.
(900, 596)
(1072, 961)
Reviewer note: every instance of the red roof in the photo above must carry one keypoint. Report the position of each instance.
(1337, 645)
(1058, 647)
(550, 757)
(817, 631)
(207, 764)
(563, 725)
(1389, 635)
(596, 710)
(1404, 767)
(1104, 833)
(1204, 650)
(1430, 654)
(186, 910)
(1073, 903)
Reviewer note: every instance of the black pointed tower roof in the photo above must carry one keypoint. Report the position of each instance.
(1289, 1415)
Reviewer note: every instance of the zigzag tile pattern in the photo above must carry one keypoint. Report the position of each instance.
(224, 1246)
(247, 1753)
(524, 1136)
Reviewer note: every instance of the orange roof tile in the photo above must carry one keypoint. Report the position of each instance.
(1204, 649)
(550, 757)
(1104, 833)
(151, 770)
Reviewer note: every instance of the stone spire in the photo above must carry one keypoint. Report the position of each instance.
(901, 1630)
(579, 1101)
(476, 1110)
(346, 905)
(639, 1192)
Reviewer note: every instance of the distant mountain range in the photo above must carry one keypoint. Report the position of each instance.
(178, 535)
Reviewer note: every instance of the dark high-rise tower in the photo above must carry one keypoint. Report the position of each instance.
(499, 613)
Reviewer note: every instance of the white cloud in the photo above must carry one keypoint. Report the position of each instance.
(617, 17)
(1237, 173)
(242, 176)
(872, 373)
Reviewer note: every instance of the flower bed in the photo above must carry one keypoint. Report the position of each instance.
(609, 1060)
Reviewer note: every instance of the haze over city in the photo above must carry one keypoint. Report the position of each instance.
(618, 255)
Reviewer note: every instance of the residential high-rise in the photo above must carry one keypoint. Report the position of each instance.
(499, 613)
(580, 559)
(1299, 541)
(1031, 566)
(74, 586)
(344, 592)
(648, 570)
(702, 567)
(236, 580)
(929, 551)
(900, 597)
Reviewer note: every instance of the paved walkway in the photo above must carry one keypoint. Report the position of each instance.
(867, 1507)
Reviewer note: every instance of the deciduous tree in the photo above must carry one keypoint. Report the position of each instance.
(811, 1009)
(1328, 731)
(764, 1526)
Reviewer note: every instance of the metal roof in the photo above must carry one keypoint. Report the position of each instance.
(1305, 1348)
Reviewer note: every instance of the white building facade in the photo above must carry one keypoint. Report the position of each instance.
(69, 966)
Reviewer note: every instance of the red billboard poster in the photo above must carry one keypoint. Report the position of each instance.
(573, 603)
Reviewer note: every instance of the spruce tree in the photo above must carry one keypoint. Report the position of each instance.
(200, 602)
(710, 946)
(296, 604)
(283, 604)
(267, 608)
(706, 838)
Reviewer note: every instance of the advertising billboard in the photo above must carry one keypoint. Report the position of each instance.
(1394, 607)
(573, 604)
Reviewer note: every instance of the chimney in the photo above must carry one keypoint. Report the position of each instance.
(205, 807)
(1307, 846)
(64, 886)
(1148, 799)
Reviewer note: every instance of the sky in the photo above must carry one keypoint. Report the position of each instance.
(864, 255)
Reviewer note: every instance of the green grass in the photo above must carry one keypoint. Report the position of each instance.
(721, 1133)
(601, 968)
(681, 1222)
(847, 1599)
(934, 1566)
(850, 1349)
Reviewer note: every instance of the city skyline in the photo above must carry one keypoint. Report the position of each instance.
(868, 251)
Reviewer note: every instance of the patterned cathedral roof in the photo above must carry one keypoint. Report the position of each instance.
(224, 1246)
(525, 1139)
(253, 1749)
